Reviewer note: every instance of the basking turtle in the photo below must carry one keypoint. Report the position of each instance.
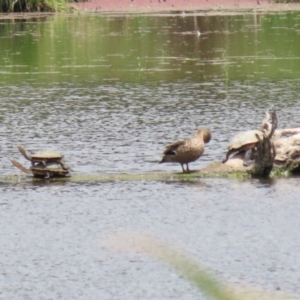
(44, 157)
(188, 150)
(42, 170)
(244, 141)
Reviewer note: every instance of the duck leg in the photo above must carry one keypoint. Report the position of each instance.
(187, 168)
(183, 170)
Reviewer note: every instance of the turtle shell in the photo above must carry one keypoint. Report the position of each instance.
(245, 138)
(47, 154)
(51, 169)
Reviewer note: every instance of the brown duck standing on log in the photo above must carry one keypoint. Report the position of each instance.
(189, 150)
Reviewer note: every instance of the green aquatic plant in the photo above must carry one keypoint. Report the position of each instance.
(138, 79)
(226, 68)
(186, 267)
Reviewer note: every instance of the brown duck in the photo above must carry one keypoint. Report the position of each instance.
(188, 150)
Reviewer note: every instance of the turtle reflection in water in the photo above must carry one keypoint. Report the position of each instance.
(45, 164)
(242, 143)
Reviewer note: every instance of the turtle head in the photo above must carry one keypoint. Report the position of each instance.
(24, 153)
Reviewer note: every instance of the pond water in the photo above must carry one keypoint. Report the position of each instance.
(111, 92)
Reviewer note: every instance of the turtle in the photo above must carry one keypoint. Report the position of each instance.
(188, 150)
(244, 141)
(44, 170)
(44, 157)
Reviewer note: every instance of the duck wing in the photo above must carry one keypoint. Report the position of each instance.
(171, 149)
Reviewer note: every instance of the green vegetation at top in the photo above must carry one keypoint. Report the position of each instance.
(55, 5)
(32, 5)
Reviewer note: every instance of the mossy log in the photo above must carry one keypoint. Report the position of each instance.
(213, 170)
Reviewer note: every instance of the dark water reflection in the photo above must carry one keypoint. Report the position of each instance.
(111, 92)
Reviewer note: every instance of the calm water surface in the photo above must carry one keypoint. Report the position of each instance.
(111, 92)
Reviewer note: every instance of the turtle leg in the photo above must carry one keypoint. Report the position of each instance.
(63, 165)
(47, 175)
(227, 156)
(43, 162)
(248, 158)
